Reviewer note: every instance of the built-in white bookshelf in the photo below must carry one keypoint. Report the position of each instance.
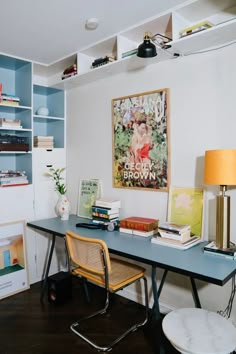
(16, 79)
(222, 15)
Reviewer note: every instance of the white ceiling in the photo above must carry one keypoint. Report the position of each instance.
(46, 31)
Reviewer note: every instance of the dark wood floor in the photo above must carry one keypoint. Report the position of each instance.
(28, 327)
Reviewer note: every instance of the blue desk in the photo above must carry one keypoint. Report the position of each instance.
(192, 262)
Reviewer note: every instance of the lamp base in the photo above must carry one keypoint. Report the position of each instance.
(223, 221)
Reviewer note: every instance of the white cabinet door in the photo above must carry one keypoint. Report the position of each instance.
(45, 197)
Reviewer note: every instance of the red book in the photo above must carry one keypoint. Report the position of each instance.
(139, 223)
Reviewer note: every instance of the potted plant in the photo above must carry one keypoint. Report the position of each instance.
(56, 174)
(62, 207)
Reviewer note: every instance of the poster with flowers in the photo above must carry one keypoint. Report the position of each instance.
(141, 141)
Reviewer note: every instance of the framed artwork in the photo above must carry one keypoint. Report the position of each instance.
(13, 261)
(89, 191)
(141, 141)
(185, 206)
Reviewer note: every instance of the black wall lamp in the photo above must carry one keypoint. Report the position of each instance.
(150, 42)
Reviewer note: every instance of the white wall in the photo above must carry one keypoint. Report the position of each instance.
(202, 116)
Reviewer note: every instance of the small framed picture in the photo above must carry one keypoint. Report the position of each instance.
(13, 261)
(89, 191)
(186, 206)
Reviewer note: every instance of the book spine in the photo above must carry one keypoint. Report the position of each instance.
(13, 185)
(126, 231)
(102, 210)
(96, 218)
(138, 225)
(107, 205)
(171, 236)
(177, 232)
(220, 252)
(104, 215)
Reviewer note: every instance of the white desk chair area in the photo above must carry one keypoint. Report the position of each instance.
(198, 331)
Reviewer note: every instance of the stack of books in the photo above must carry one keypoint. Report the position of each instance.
(130, 53)
(10, 124)
(70, 71)
(140, 226)
(106, 211)
(201, 26)
(102, 61)
(212, 249)
(9, 100)
(11, 178)
(44, 141)
(173, 231)
(175, 235)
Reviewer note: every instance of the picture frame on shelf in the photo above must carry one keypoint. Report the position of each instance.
(13, 260)
(140, 128)
(89, 191)
(186, 206)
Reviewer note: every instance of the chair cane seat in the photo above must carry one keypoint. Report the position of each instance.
(122, 273)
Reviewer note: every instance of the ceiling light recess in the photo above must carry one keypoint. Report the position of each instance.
(91, 23)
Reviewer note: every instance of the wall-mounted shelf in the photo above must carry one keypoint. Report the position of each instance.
(53, 124)
(222, 14)
(16, 79)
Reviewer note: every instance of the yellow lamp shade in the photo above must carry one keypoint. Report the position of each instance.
(220, 167)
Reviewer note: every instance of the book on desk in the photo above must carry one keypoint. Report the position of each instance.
(176, 235)
(212, 249)
(194, 240)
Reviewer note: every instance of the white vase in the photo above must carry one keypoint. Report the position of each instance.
(63, 207)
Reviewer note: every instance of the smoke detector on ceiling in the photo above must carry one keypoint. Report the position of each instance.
(91, 23)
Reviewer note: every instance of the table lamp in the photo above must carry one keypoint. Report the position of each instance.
(220, 169)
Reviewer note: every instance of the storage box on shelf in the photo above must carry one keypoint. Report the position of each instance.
(53, 123)
(16, 80)
(222, 14)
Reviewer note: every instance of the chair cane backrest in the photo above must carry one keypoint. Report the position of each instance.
(88, 253)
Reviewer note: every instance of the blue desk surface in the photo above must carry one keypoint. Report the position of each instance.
(192, 262)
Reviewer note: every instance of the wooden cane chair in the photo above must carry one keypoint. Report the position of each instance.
(93, 263)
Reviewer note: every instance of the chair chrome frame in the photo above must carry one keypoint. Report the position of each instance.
(74, 326)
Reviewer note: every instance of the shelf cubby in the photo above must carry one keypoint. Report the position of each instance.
(222, 14)
(53, 124)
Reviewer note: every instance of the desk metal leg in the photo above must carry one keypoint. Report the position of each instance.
(156, 315)
(162, 282)
(195, 293)
(155, 309)
(194, 289)
(45, 280)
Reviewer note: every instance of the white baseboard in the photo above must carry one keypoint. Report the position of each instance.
(139, 298)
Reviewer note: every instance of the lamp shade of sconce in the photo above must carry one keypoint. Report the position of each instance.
(147, 49)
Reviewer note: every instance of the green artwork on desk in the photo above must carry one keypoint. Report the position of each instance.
(89, 191)
(186, 207)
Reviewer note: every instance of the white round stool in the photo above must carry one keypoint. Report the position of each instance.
(198, 331)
